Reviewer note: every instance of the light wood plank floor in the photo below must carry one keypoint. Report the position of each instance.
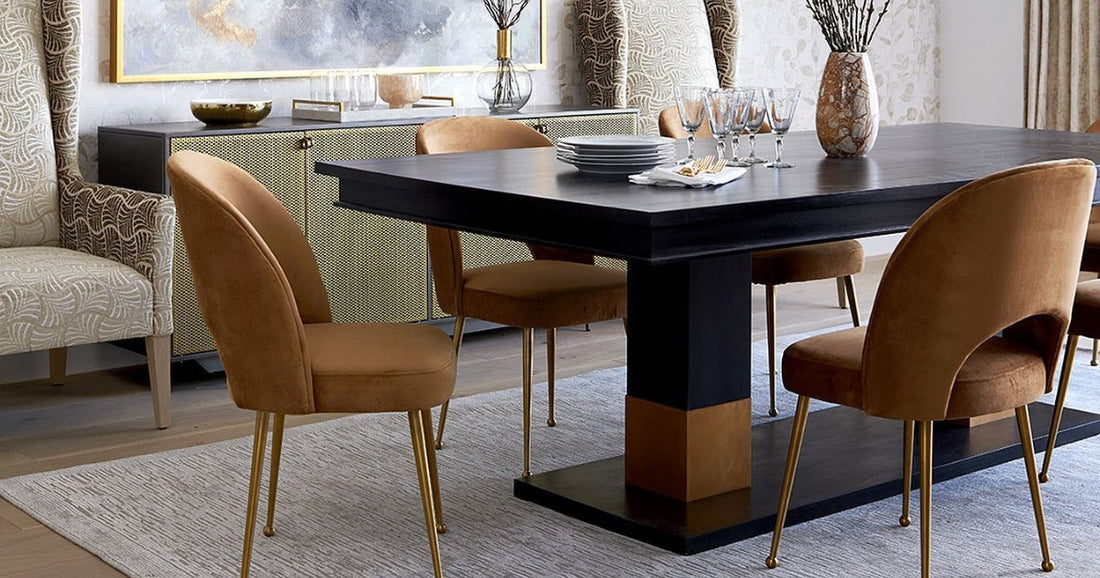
(106, 415)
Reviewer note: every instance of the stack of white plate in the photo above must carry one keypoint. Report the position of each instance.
(616, 154)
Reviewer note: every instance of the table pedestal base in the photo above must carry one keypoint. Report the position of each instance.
(848, 459)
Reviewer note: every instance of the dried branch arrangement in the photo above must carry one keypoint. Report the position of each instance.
(848, 25)
(505, 12)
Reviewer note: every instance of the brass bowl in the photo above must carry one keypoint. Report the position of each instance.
(230, 111)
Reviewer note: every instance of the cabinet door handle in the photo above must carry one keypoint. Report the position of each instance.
(305, 143)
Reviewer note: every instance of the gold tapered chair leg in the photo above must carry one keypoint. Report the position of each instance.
(797, 431)
(551, 336)
(528, 345)
(1023, 422)
(853, 306)
(1095, 345)
(1059, 404)
(840, 300)
(460, 324)
(907, 472)
(420, 441)
(273, 485)
(769, 314)
(925, 497)
(259, 447)
(433, 471)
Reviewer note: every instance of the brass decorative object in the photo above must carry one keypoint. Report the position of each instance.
(236, 112)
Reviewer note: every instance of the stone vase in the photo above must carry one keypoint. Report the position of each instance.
(847, 106)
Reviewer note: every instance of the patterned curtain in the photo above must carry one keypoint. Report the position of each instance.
(1063, 64)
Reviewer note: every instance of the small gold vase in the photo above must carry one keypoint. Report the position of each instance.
(847, 106)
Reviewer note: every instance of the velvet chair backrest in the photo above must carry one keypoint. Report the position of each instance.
(256, 279)
(464, 134)
(1001, 253)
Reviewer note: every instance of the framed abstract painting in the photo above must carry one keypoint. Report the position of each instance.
(170, 40)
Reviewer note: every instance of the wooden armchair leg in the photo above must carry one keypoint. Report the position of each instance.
(158, 352)
(58, 356)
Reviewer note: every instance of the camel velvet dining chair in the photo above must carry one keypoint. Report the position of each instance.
(1085, 321)
(1090, 261)
(546, 292)
(261, 294)
(773, 267)
(961, 327)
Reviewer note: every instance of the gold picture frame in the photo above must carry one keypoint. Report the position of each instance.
(212, 20)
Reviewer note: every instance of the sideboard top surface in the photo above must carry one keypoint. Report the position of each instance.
(288, 124)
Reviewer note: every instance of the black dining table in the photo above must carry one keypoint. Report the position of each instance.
(695, 473)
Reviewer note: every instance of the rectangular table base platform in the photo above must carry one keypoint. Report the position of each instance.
(848, 459)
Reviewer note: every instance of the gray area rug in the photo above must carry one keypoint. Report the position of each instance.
(349, 504)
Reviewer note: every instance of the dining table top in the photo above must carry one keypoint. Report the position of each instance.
(529, 195)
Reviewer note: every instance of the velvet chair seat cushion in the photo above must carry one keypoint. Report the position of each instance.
(374, 367)
(1001, 374)
(1085, 319)
(807, 262)
(544, 293)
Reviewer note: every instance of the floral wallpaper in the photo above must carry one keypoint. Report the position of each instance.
(780, 45)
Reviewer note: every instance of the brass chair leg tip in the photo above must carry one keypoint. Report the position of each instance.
(526, 474)
(771, 563)
(1048, 566)
(904, 521)
(269, 531)
(439, 445)
(550, 422)
(773, 412)
(1094, 363)
(1044, 478)
(441, 528)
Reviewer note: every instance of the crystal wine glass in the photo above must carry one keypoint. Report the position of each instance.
(781, 103)
(754, 120)
(720, 104)
(690, 103)
(741, 101)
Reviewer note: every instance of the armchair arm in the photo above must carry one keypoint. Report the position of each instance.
(131, 227)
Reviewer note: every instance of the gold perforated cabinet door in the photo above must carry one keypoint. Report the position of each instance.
(563, 126)
(277, 161)
(375, 268)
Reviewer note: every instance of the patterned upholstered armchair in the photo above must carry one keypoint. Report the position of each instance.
(635, 51)
(79, 262)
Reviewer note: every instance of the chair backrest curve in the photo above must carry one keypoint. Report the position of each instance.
(256, 280)
(999, 254)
